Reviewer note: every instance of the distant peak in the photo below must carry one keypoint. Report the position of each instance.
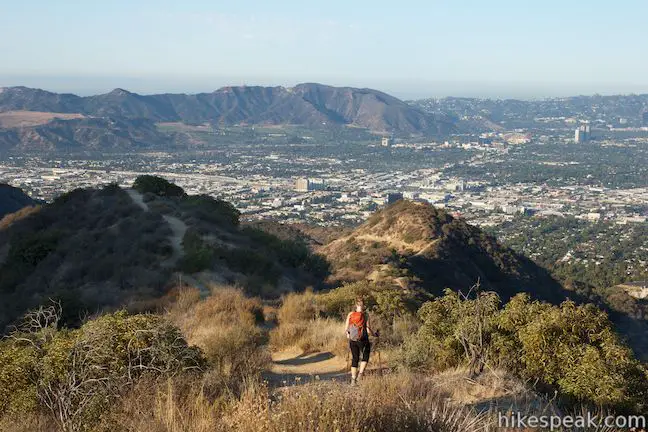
(120, 92)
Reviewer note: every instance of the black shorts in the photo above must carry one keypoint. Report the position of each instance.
(357, 347)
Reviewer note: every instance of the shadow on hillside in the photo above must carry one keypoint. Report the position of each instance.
(305, 359)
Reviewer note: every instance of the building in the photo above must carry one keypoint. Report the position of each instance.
(458, 186)
(387, 141)
(316, 184)
(301, 185)
(307, 185)
(582, 134)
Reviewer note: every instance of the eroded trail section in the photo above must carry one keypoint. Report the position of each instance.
(178, 228)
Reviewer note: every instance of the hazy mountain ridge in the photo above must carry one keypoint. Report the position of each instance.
(489, 114)
(312, 105)
(85, 134)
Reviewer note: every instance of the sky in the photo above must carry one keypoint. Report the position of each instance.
(410, 48)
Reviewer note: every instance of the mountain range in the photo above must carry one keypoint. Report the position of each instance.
(88, 133)
(309, 105)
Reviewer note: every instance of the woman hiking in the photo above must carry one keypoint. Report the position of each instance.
(357, 330)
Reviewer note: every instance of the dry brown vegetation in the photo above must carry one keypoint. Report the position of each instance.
(12, 119)
(300, 326)
(23, 213)
(225, 327)
(229, 394)
(398, 402)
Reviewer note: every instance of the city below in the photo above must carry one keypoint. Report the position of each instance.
(342, 191)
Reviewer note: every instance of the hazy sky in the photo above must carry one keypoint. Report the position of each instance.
(411, 48)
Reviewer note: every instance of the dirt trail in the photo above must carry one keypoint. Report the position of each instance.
(392, 242)
(178, 228)
(292, 367)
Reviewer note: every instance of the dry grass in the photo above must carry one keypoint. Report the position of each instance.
(397, 403)
(325, 335)
(12, 218)
(296, 308)
(12, 119)
(225, 307)
(224, 326)
(300, 327)
(492, 388)
(28, 423)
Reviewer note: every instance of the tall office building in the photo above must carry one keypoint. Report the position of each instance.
(582, 134)
(307, 185)
(301, 185)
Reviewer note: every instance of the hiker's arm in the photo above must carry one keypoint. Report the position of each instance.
(346, 326)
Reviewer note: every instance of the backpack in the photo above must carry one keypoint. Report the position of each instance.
(357, 326)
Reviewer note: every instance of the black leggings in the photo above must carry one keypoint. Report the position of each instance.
(356, 348)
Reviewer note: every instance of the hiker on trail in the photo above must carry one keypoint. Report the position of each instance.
(357, 330)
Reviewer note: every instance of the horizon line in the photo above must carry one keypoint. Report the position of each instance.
(245, 85)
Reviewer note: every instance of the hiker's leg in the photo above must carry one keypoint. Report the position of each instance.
(355, 359)
(366, 350)
(363, 366)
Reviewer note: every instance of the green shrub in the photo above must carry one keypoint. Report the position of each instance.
(211, 209)
(340, 301)
(158, 186)
(571, 348)
(576, 349)
(198, 255)
(18, 363)
(76, 374)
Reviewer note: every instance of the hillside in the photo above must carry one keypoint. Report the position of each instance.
(100, 248)
(109, 247)
(311, 105)
(415, 244)
(99, 134)
(13, 199)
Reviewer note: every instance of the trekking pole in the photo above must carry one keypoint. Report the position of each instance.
(380, 371)
(347, 360)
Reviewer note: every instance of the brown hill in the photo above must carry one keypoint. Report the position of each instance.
(12, 119)
(415, 244)
(100, 134)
